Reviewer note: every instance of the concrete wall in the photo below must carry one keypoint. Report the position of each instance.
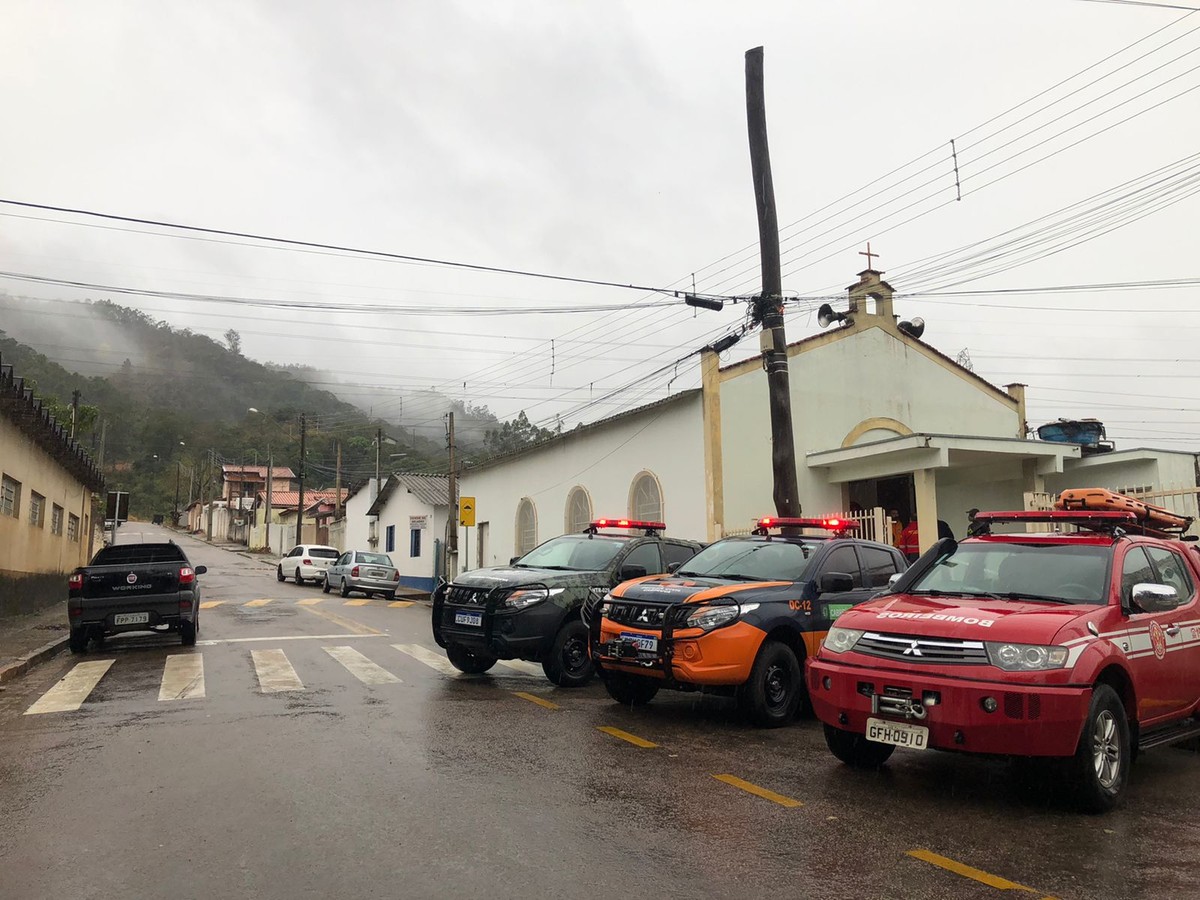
(357, 521)
(835, 388)
(24, 547)
(667, 441)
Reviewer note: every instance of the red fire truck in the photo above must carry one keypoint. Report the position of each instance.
(1078, 643)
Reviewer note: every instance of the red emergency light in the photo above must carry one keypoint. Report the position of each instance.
(832, 523)
(648, 527)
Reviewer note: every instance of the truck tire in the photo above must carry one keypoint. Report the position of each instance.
(78, 640)
(468, 660)
(187, 633)
(279, 573)
(855, 750)
(772, 693)
(569, 664)
(1100, 767)
(630, 690)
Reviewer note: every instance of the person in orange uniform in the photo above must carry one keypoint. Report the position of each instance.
(910, 541)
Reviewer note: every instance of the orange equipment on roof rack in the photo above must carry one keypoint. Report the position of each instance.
(1150, 519)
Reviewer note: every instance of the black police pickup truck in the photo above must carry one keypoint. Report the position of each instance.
(530, 609)
(134, 587)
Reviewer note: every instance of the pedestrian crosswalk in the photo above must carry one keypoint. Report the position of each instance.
(183, 675)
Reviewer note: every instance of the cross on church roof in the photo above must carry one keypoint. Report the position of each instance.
(868, 254)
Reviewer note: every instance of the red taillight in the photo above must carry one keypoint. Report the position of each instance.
(75, 582)
(185, 605)
(308, 562)
(354, 572)
(78, 611)
(396, 577)
(186, 576)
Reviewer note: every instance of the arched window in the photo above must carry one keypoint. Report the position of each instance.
(526, 527)
(579, 509)
(645, 498)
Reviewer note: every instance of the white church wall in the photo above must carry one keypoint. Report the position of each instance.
(666, 440)
(356, 533)
(834, 389)
(998, 488)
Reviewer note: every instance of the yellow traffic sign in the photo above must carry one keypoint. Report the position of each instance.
(466, 511)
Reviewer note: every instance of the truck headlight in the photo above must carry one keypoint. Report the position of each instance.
(1025, 657)
(523, 597)
(839, 640)
(710, 617)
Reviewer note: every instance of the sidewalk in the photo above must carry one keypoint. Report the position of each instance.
(27, 640)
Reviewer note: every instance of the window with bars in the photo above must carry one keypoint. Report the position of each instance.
(56, 519)
(72, 527)
(579, 509)
(10, 497)
(37, 509)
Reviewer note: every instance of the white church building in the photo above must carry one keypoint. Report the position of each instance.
(882, 421)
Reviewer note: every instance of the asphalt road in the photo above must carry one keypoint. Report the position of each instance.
(310, 748)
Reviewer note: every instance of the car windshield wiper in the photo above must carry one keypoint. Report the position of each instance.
(555, 568)
(987, 595)
(1019, 595)
(737, 576)
(688, 574)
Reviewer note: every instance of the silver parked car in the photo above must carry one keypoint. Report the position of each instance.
(362, 571)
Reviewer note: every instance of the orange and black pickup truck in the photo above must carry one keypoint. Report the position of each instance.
(740, 617)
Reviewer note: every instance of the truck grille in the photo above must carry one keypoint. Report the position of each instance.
(464, 596)
(638, 615)
(912, 648)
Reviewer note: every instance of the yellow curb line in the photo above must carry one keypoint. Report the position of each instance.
(534, 698)
(626, 736)
(758, 791)
(974, 874)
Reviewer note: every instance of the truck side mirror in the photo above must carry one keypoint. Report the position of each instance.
(835, 583)
(1155, 597)
(628, 573)
(513, 561)
(892, 581)
(200, 570)
(671, 567)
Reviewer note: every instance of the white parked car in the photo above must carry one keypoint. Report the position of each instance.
(306, 562)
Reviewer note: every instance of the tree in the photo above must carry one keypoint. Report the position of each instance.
(234, 340)
(514, 435)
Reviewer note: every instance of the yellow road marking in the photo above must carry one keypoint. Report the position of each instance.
(974, 874)
(257, 603)
(342, 622)
(759, 791)
(540, 701)
(400, 604)
(310, 601)
(211, 604)
(360, 602)
(626, 736)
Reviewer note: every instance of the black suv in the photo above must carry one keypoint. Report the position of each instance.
(530, 609)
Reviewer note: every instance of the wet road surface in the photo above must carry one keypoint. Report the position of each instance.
(310, 748)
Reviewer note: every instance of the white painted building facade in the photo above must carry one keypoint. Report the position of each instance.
(881, 420)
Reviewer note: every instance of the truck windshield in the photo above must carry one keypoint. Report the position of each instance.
(752, 560)
(1065, 572)
(571, 551)
(125, 554)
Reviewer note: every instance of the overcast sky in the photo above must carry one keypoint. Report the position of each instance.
(607, 141)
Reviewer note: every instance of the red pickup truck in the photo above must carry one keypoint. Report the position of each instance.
(1080, 648)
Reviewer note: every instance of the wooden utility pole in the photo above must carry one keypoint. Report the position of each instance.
(212, 464)
(300, 496)
(769, 305)
(270, 490)
(378, 452)
(452, 512)
(337, 483)
(74, 411)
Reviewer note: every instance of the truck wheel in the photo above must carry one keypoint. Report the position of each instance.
(1100, 767)
(855, 750)
(325, 585)
(187, 633)
(345, 588)
(775, 688)
(569, 664)
(78, 641)
(279, 573)
(468, 661)
(630, 690)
